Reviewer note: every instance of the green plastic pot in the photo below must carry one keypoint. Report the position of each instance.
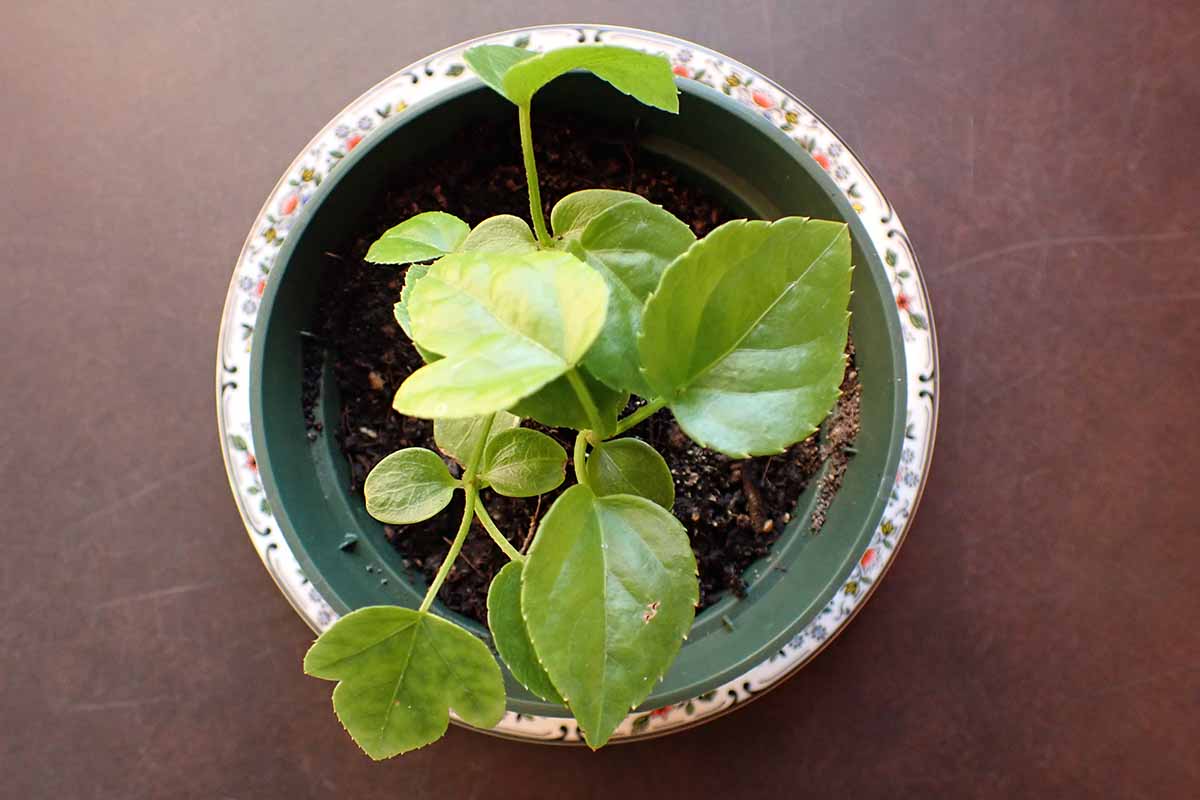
(714, 142)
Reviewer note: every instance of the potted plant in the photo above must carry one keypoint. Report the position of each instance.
(610, 311)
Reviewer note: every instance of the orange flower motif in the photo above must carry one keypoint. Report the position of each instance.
(289, 204)
(262, 287)
(868, 558)
(822, 159)
(661, 712)
(251, 462)
(681, 71)
(903, 301)
(352, 142)
(762, 99)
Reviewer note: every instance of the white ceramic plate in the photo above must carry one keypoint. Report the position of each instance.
(424, 78)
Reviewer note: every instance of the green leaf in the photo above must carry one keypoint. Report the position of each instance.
(415, 273)
(509, 634)
(458, 438)
(420, 238)
(646, 77)
(630, 466)
(501, 234)
(557, 406)
(506, 323)
(399, 672)
(492, 61)
(608, 592)
(573, 213)
(746, 334)
(630, 244)
(523, 463)
(408, 486)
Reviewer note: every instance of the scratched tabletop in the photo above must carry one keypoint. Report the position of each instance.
(1038, 634)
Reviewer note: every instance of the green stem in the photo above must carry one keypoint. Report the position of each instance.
(641, 414)
(455, 548)
(585, 399)
(464, 527)
(531, 177)
(513, 553)
(580, 458)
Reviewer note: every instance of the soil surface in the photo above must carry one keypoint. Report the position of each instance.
(734, 510)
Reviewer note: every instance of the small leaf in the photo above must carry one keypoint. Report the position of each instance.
(506, 323)
(573, 213)
(630, 244)
(523, 463)
(509, 634)
(746, 333)
(608, 592)
(420, 238)
(399, 672)
(500, 234)
(630, 466)
(646, 77)
(400, 310)
(491, 61)
(408, 486)
(239, 442)
(458, 438)
(557, 406)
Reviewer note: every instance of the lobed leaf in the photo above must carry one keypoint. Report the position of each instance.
(509, 634)
(630, 466)
(430, 235)
(399, 672)
(408, 486)
(458, 438)
(746, 333)
(648, 78)
(523, 463)
(608, 592)
(506, 325)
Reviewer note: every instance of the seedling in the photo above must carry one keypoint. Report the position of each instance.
(741, 335)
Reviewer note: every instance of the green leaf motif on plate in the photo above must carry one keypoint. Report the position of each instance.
(523, 463)
(509, 634)
(408, 486)
(746, 334)
(399, 672)
(430, 235)
(630, 466)
(608, 592)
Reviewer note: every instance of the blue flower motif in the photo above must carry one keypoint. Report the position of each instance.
(341, 131)
(364, 124)
(246, 283)
(834, 149)
(249, 306)
(818, 632)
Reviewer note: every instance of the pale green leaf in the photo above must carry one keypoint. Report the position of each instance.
(509, 634)
(415, 273)
(630, 244)
(420, 238)
(491, 61)
(506, 324)
(458, 438)
(573, 213)
(500, 234)
(408, 486)
(523, 463)
(746, 333)
(557, 406)
(399, 672)
(630, 466)
(646, 77)
(608, 592)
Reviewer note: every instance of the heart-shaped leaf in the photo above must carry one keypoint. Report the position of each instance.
(429, 235)
(573, 213)
(509, 634)
(746, 333)
(557, 406)
(458, 438)
(630, 466)
(608, 592)
(492, 61)
(523, 463)
(399, 673)
(500, 234)
(646, 77)
(408, 486)
(506, 324)
(630, 244)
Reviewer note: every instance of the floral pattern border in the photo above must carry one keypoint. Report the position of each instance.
(691, 61)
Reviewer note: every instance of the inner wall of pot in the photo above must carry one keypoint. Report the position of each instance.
(728, 150)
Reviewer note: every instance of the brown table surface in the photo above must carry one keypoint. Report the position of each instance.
(1038, 635)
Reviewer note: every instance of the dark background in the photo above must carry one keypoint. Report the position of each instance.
(1038, 635)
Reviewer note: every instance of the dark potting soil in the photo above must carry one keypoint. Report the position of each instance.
(734, 510)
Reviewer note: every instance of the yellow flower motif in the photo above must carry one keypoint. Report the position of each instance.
(270, 234)
(851, 588)
(400, 106)
(733, 80)
(792, 117)
(887, 527)
(306, 174)
(857, 206)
